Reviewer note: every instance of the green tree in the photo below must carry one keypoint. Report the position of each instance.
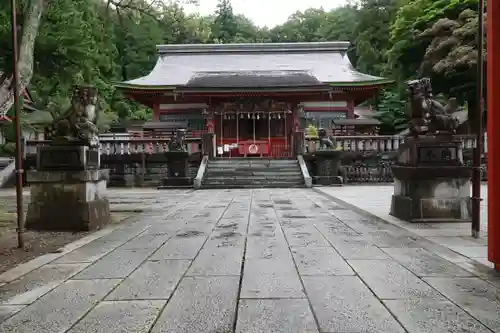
(224, 26)
(408, 48)
(451, 58)
(372, 34)
(74, 39)
(438, 39)
(316, 25)
(391, 112)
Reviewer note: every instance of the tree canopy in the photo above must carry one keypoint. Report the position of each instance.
(67, 42)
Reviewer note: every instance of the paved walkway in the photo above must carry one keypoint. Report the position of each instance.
(376, 200)
(261, 261)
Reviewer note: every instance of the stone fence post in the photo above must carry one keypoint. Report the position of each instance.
(298, 143)
(207, 145)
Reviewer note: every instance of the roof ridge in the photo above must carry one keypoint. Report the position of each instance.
(339, 46)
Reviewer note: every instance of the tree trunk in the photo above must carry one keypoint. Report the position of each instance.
(32, 20)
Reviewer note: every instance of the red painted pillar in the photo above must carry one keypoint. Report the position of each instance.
(156, 112)
(493, 95)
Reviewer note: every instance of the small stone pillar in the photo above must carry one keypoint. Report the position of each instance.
(207, 145)
(328, 167)
(68, 190)
(298, 139)
(431, 183)
(177, 163)
(177, 170)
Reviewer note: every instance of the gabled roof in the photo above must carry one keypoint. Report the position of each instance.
(264, 65)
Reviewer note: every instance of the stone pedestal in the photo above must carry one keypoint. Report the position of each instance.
(431, 183)
(68, 200)
(328, 167)
(68, 191)
(177, 170)
(68, 157)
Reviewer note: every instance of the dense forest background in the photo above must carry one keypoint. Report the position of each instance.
(104, 41)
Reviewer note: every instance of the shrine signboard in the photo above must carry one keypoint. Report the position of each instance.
(438, 154)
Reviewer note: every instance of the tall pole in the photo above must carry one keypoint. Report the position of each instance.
(493, 75)
(478, 120)
(17, 107)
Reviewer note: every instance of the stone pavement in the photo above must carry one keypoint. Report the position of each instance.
(220, 261)
(376, 200)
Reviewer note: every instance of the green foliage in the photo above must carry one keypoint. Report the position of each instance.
(437, 39)
(224, 26)
(318, 25)
(391, 112)
(89, 41)
(409, 43)
(372, 34)
(451, 57)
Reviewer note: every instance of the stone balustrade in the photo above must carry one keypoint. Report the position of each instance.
(381, 143)
(121, 146)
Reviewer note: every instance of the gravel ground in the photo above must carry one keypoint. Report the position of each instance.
(36, 243)
(124, 203)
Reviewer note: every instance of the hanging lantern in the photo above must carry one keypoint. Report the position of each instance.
(258, 117)
(241, 115)
(279, 116)
(225, 116)
(248, 115)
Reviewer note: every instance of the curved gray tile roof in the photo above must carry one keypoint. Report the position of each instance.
(253, 65)
(243, 79)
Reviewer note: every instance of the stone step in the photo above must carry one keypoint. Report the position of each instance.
(236, 186)
(289, 165)
(244, 166)
(276, 170)
(252, 160)
(253, 173)
(255, 183)
(283, 162)
(273, 164)
(262, 184)
(217, 173)
(254, 178)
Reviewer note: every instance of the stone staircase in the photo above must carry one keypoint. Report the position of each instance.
(253, 173)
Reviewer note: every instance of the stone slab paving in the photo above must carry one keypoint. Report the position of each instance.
(270, 260)
(376, 200)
